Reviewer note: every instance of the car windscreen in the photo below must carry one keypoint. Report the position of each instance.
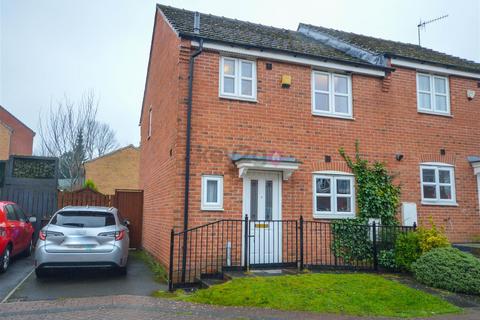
(83, 219)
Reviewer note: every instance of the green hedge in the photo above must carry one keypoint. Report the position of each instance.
(450, 269)
(33, 168)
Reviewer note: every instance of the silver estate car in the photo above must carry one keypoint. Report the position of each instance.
(83, 237)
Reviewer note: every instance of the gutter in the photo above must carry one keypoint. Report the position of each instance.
(293, 54)
(188, 142)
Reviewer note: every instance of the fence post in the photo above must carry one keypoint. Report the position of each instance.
(375, 253)
(301, 243)
(247, 244)
(170, 266)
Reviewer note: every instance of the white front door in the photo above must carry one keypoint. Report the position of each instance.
(262, 203)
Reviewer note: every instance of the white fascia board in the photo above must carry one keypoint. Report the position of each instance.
(434, 69)
(292, 59)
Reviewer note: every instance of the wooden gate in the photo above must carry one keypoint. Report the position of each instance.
(130, 205)
(128, 202)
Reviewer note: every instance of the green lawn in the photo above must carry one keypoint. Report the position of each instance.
(353, 294)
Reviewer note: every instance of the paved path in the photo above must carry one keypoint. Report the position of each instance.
(146, 308)
(89, 283)
(19, 268)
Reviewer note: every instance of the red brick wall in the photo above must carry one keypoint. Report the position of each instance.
(21, 142)
(158, 176)
(386, 122)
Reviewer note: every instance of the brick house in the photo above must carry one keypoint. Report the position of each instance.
(118, 169)
(267, 110)
(15, 137)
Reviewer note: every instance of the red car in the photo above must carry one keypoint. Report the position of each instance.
(16, 233)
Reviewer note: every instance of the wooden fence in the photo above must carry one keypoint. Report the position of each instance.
(128, 202)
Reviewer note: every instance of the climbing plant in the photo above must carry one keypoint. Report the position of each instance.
(377, 196)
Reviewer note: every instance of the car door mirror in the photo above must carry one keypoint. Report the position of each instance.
(126, 222)
(32, 219)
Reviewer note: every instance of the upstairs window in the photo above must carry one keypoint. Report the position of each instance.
(331, 94)
(212, 193)
(333, 196)
(149, 122)
(433, 94)
(238, 79)
(438, 184)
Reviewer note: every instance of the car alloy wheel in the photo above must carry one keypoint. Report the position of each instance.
(5, 260)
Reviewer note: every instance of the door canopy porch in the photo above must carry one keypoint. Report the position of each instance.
(246, 163)
(475, 162)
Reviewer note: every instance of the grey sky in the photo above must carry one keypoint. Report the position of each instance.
(52, 48)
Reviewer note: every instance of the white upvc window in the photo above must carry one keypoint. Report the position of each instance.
(333, 196)
(212, 193)
(149, 122)
(433, 94)
(438, 184)
(331, 94)
(238, 79)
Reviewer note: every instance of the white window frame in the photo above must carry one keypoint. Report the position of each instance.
(212, 206)
(333, 214)
(433, 93)
(237, 95)
(331, 95)
(149, 122)
(437, 201)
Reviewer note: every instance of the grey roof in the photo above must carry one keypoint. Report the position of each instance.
(251, 35)
(473, 159)
(232, 31)
(237, 157)
(398, 49)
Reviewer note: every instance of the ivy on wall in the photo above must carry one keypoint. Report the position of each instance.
(377, 196)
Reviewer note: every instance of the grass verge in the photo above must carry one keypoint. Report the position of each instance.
(159, 272)
(352, 294)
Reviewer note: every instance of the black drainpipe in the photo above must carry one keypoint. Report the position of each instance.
(188, 142)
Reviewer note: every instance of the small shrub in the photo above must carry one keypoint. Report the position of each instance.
(432, 238)
(450, 269)
(407, 250)
(89, 184)
(386, 259)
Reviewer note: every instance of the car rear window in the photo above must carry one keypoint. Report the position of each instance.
(83, 219)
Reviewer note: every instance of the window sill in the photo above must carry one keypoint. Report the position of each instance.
(443, 204)
(432, 113)
(334, 216)
(329, 115)
(211, 209)
(252, 100)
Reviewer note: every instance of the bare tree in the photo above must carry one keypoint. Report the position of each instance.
(71, 132)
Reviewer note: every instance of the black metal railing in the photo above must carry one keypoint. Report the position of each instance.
(231, 244)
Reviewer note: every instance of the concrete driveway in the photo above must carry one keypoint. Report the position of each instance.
(82, 283)
(20, 268)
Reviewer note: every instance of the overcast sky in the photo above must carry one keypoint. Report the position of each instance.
(52, 48)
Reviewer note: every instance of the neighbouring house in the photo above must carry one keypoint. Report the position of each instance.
(15, 137)
(258, 129)
(118, 169)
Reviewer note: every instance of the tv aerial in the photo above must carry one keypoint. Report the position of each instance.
(422, 25)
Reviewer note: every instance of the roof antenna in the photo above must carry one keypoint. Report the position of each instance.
(424, 23)
(196, 23)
